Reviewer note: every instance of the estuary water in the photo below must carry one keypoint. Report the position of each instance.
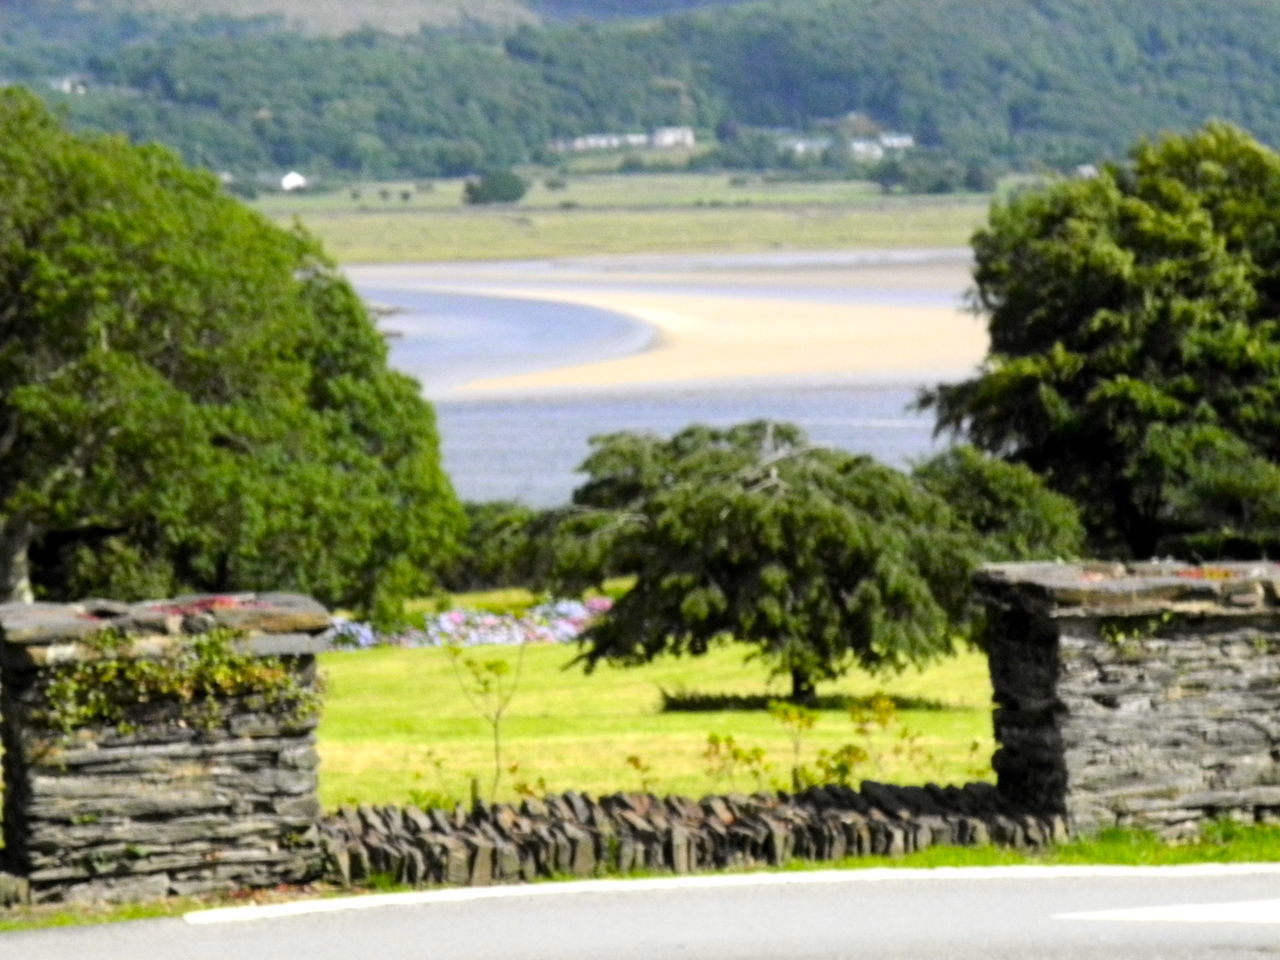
(527, 447)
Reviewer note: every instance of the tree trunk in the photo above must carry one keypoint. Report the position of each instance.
(15, 569)
(803, 693)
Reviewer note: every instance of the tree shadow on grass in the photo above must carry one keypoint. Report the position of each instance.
(693, 701)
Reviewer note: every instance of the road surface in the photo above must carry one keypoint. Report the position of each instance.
(1206, 913)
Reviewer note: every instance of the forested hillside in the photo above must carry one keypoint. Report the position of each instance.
(343, 16)
(1019, 83)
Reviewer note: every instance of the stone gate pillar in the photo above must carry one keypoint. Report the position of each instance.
(1145, 695)
(196, 772)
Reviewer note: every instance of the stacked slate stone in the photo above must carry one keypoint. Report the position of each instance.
(1145, 696)
(13, 890)
(156, 805)
(572, 835)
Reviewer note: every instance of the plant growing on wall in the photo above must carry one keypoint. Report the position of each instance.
(188, 684)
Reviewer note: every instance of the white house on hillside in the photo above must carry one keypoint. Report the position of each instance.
(660, 138)
(672, 138)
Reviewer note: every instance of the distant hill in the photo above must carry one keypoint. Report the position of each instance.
(620, 9)
(334, 17)
(1016, 83)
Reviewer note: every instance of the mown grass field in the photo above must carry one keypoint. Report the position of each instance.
(396, 725)
(551, 190)
(617, 214)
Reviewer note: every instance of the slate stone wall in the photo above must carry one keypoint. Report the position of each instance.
(157, 805)
(1146, 695)
(574, 835)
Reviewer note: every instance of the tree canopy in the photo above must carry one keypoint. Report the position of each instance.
(496, 186)
(1135, 341)
(1014, 515)
(191, 397)
(818, 558)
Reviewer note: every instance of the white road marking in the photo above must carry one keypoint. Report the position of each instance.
(300, 908)
(1248, 911)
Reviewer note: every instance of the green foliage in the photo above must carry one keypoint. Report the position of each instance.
(503, 547)
(437, 795)
(797, 720)
(488, 686)
(846, 763)
(187, 684)
(191, 398)
(496, 186)
(819, 559)
(725, 758)
(1135, 349)
(643, 770)
(1007, 505)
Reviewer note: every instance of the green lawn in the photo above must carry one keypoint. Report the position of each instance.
(392, 714)
(619, 214)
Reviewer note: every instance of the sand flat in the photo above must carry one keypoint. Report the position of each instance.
(703, 339)
(850, 318)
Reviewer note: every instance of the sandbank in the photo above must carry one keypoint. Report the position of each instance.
(859, 320)
(703, 339)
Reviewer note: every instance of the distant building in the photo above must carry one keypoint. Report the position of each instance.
(799, 145)
(589, 142)
(672, 138)
(72, 84)
(293, 180)
(661, 138)
(897, 141)
(868, 150)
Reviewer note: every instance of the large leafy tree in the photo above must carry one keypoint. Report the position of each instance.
(1008, 506)
(190, 396)
(818, 558)
(1135, 340)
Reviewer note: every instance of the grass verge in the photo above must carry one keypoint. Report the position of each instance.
(49, 916)
(1220, 842)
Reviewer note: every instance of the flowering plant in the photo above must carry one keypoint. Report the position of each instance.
(555, 621)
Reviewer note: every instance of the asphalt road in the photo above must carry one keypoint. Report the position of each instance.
(1019, 914)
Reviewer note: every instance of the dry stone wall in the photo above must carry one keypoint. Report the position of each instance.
(575, 835)
(170, 797)
(1146, 695)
